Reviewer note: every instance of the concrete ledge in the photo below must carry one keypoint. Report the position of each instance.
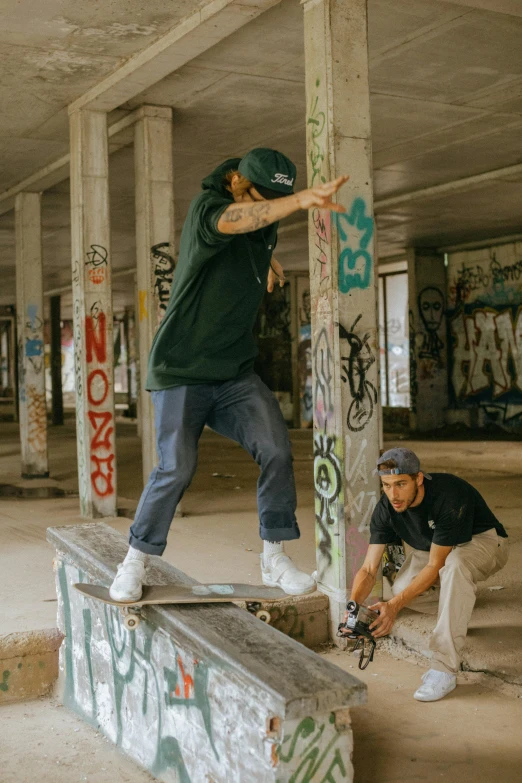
(38, 487)
(301, 617)
(28, 664)
(197, 693)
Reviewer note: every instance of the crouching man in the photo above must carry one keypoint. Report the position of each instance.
(452, 541)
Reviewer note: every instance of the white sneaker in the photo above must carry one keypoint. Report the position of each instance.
(436, 685)
(281, 572)
(128, 584)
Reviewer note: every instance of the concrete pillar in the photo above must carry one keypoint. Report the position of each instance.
(428, 339)
(92, 312)
(154, 247)
(345, 352)
(29, 315)
(56, 361)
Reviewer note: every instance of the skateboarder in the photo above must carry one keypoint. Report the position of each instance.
(452, 541)
(201, 362)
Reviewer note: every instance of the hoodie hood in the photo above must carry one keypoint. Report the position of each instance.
(215, 181)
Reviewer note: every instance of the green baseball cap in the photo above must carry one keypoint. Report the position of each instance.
(269, 171)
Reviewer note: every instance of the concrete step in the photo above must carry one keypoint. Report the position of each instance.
(28, 664)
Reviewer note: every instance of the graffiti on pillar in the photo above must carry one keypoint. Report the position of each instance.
(323, 366)
(163, 272)
(414, 385)
(36, 418)
(322, 238)
(101, 443)
(328, 485)
(314, 749)
(430, 345)
(317, 122)
(97, 264)
(359, 501)
(304, 352)
(354, 372)
(355, 229)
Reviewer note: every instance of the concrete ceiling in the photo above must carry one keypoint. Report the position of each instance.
(446, 100)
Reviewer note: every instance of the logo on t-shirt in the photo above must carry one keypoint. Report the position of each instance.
(431, 523)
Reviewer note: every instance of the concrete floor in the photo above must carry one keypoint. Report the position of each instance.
(218, 536)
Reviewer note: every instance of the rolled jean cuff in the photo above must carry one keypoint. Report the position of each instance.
(279, 533)
(149, 549)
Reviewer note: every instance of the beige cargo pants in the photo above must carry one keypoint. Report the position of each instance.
(454, 600)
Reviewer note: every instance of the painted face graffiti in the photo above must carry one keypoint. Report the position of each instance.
(431, 310)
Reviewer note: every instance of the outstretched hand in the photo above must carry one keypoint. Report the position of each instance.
(321, 195)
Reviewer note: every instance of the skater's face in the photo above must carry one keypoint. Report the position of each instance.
(403, 490)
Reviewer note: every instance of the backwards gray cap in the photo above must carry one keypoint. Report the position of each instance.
(405, 460)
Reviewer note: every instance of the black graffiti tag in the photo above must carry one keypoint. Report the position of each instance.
(97, 256)
(327, 478)
(163, 273)
(362, 391)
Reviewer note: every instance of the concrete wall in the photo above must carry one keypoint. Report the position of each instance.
(485, 328)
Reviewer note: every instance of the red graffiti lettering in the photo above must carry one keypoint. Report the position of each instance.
(188, 682)
(95, 387)
(96, 337)
(102, 481)
(102, 431)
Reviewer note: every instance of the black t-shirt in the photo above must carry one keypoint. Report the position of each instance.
(451, 512)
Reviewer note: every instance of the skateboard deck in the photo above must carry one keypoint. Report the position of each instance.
(188, 594)
(253, 595)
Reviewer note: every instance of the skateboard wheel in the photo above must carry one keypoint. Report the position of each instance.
(263, 615)
(131, 622)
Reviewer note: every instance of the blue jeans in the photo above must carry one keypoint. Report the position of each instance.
(244, 410)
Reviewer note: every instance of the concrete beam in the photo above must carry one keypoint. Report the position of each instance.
(59, 169)
(509, 7)
(448, 188)
(195, 35)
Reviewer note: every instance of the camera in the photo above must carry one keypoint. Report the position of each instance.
(357, 627)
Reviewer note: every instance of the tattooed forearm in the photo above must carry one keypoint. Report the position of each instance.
(248, 217)
(240, 218)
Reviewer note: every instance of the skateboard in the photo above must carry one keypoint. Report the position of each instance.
(252, 595)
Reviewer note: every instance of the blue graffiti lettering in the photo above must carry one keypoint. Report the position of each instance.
(355, 264)
(33, 347)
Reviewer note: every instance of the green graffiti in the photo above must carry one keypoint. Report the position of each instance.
(185, 691)
(311, 756)
(3, 685)
(87, 624)
(69, 695)
(317, 121)
(169, 757)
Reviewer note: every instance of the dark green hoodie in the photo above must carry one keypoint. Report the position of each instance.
(206, 333)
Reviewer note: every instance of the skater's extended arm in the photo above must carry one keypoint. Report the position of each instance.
(240, 218)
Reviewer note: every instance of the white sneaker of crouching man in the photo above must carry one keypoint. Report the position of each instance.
(452, 541)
